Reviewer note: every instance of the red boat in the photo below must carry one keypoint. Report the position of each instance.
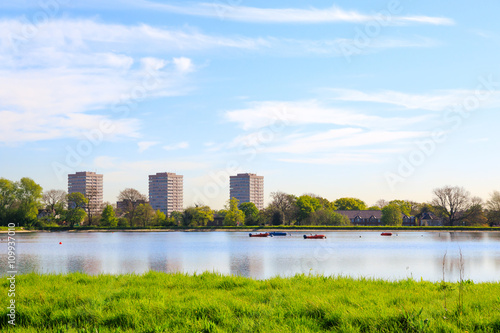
(386, 234)
(259, 235)
(314, 236)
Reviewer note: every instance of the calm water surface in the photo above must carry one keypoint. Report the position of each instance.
(357, 254)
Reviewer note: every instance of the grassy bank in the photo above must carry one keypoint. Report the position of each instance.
(159, 302)
(278, 227)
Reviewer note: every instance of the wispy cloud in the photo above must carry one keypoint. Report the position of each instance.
(432, 101)
(289, 15)
(145, 145)
(175, 146)
(298, 128)
(272, 113)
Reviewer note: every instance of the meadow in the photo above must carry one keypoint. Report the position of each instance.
(210, 302)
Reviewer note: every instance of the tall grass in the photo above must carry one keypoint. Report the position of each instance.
(210, 302)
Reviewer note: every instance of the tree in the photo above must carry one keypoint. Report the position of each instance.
(277, 217)
(160, 218)
(197, 216)
(29, 195)
(54, 200)
(131, 199)
(349, 204)
(19, 201)
(251, 213)
(306, 206)
(285, 203)
(76, 212)
(391, 215)
(381, 203)
(7, 200)
(324, 216)
(234, 215)
(144, 214)
(176, 217)
(455, 203)
(493, 206)
(108, 218)
(404, 205)
(374, 208)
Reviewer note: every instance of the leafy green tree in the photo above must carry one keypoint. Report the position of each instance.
(7, 200)
(404, 205)
(159, 218)
(277, 217)
(251, 213)
(76, 212)
(197, 216)
(144, 214)
(108, 218)
(234, 215)
(374, 208)
(176, 217)
(324, 216)
(391, 215)
(349, 204)
(123, 222)
(306, 206)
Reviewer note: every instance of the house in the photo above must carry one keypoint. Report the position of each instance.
(430, 220)
(371, 217)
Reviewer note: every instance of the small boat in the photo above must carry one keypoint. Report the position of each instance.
(277, 233)
(259, 235)
(386, 234)
(314, 236)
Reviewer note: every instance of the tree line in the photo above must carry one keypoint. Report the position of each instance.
(24, 203)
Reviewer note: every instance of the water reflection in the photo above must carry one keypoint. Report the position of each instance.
(408, 254)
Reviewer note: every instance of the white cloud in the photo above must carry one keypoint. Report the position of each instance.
(434, 101)
(175, 146)
(66, 77)
(183, 64)
(145, 145)
(292, 15)
(342, 138)
(275, 114)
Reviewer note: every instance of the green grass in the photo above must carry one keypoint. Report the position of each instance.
(160, 302)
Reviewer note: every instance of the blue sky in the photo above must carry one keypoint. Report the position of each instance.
(378, 100)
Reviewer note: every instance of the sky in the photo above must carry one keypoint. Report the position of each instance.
(374, 100)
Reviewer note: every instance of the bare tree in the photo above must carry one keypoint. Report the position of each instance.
(53, 198)
(285, 203)
(493, 206)
(381, 203)
(456, 203)
(494, 202)
(132, 195)
(131, 199)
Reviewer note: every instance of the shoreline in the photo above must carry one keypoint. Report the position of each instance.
(253, 230)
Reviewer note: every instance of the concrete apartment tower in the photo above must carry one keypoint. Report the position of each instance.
(166, 192)
(247, 187)
(90, 185)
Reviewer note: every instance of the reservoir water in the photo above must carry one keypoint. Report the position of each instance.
(417, 255)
